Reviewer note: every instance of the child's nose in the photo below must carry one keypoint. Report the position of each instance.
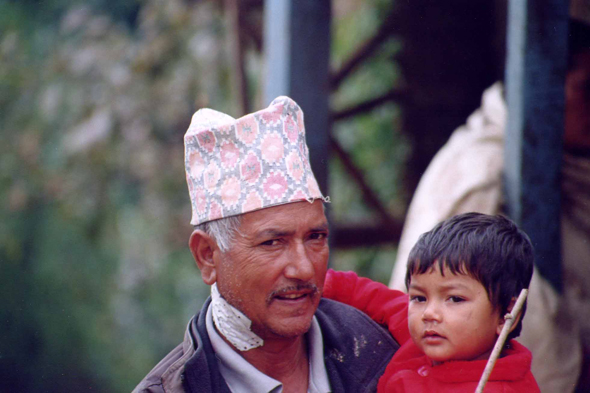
(432, 312)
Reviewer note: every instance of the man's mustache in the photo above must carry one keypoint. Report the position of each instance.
(294, 288)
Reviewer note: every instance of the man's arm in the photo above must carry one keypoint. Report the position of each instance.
(385, 306)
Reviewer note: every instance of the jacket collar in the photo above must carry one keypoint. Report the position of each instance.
(514, 365)
(356, 352)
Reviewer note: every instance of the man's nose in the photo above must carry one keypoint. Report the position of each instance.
(299, 266)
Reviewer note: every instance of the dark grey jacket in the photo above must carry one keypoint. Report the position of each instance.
(356, 352)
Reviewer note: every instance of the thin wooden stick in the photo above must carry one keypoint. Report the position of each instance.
(510, 318)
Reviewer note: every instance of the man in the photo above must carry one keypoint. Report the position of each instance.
(466, 175)
(260, 241)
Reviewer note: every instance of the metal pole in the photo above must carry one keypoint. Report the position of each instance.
(297, 53)
(535, 76)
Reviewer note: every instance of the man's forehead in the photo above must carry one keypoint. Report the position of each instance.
(286, 218)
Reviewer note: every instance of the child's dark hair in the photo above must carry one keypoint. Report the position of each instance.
(490, 249)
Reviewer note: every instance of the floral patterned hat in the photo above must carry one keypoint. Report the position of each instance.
(257, 161)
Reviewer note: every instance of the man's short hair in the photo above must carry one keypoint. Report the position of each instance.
(491, 249)
(223, 230)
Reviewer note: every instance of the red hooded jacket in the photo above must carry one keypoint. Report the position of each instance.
(410, 370)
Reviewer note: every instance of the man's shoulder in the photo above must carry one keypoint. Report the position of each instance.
(167, 375)
(356, 349)
(336, 310)
(343, 321)
(153, 381)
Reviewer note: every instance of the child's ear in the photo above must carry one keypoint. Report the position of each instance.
(202, 247)
(503, 320)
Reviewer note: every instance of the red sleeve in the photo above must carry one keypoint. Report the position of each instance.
(385, 306)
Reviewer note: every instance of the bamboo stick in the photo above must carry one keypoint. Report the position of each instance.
(510, 319)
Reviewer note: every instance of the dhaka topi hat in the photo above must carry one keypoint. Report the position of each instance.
(235, 166)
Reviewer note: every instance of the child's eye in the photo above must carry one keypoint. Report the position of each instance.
(417, 299)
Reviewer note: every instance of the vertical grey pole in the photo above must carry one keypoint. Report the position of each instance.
(277, 44)
(535, 76)
(297, 54)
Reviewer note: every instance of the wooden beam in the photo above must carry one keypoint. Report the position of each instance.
(394, 95)
(366, 236)
(363, 52)
(370, 197)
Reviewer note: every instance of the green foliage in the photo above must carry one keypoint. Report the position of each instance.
(371, 139)
(96, 279)
(44, 13)
(372, 262)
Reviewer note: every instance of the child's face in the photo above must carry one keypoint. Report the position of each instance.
(450, 317)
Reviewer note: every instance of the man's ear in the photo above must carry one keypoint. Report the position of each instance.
(503, 321)
(202, 247)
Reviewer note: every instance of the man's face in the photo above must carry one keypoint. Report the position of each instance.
(274, 271)
(577, 103)
(450, 317)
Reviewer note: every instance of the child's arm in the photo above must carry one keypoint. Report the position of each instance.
(384, 306)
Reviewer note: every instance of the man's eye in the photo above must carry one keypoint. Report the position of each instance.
(318, 236)
(456, 299)
(272, 242)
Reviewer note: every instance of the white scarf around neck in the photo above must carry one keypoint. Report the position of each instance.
(232, 323)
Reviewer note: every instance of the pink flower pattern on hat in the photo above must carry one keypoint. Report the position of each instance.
(295, 168)
(247, 130)
(275, 186)
(229, 154)
(197, 164)
(272, 148)
(226, 129)
(214, 211)
(230, 192)
(207, 141)
(312, 185)
(251, 168)
(272, 116)
(291, 129)
(212, 175)
(253, 202)
(298, 195)
(234, 166)
(200, 201)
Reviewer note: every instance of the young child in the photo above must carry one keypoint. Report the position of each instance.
(463, 277)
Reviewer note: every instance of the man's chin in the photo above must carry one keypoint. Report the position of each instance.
(287, 319)
(292, 331)
(288, 328)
